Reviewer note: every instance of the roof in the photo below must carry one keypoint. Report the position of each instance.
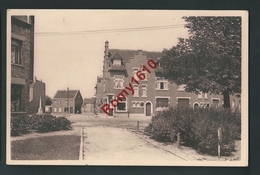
(117, 56)
(66, 94)
(126, 54)
(89, 100)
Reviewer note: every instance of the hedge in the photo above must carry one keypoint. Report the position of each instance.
(22, 124)
(197, 127)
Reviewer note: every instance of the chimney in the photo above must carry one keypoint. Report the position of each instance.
(106, 49)
(140, 52)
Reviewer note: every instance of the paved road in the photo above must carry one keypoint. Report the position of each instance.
(114, 146)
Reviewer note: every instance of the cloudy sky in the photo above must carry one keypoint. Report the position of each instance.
(69, 44)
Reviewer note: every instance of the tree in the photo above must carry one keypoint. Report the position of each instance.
(48, 100)
(209, 60)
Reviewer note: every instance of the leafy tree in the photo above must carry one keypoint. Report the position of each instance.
(209, 60)
(48, 100)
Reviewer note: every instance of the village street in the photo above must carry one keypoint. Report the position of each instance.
(113, 145)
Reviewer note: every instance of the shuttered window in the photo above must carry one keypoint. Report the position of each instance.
(162, 102)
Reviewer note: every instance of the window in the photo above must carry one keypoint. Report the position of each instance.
(144, 91)
(117, 62)
(136, 90)
(183, 103)
(205, 95)
(59, 109)
(161, 84)
(136, 69)
(134, 73)
(16, 98)
(16, 52)
(145, 73)
(196, 106)
(137, 104)
(122, 105)
(162, 102)
(215, 102)
(55, 109)
(200, 95)
(119, 82)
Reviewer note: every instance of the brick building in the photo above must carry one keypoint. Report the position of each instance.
(64, 100)
(151, 94)
(37, 92)
(22, 61)
(88, 105)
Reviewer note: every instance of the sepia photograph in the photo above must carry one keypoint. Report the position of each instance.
(127, 87)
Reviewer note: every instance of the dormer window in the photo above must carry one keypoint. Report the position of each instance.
(117, 62)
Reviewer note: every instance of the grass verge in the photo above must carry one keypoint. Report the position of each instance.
(60, 147)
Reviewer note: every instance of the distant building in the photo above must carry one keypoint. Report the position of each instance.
(37, 91)
(48, 108)
(22, 62)
(154, 93)
(69, 101)
(88, 105)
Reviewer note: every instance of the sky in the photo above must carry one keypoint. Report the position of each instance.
(69, 44)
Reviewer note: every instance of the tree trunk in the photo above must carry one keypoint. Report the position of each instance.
(226, 99)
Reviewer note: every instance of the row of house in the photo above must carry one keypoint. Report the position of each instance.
(152, 93)
(71, 101)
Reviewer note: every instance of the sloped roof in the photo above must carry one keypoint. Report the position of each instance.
(117, 56)
(89, 100)
(126, 54)
(66, 94)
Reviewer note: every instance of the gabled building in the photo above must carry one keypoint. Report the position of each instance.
(22, 62)
(67, 101)
(154, 93)
(88, 105)
(37, 93)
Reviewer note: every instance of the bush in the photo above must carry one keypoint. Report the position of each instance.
(198, 128)
(40, 123)
(19, 125)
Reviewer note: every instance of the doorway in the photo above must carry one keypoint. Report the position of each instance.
(148, 109)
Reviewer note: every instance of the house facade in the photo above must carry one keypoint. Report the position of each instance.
(88, 105)
(154, 93)
(37, 93)
(22, 62)
(67, 101)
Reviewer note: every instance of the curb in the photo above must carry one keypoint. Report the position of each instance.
(81, 144)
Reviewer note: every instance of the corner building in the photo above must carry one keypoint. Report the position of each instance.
(154, 93)
(22, 62)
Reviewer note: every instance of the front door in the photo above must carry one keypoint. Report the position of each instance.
(148, 109)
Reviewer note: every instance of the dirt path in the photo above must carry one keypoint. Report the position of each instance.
(114, 146)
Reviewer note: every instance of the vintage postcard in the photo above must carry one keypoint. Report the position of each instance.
(127, 87)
